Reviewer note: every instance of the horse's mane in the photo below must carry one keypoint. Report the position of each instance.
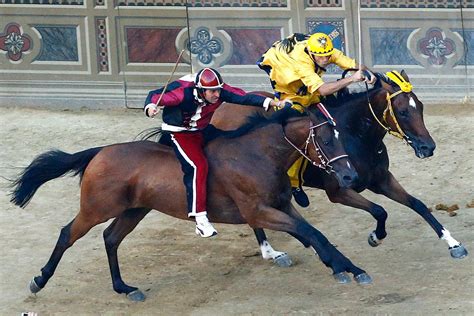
(258, 120)
(345, 97)
(253, 122)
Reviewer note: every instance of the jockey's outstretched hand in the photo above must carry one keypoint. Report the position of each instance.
(369, 76)
(358, 76)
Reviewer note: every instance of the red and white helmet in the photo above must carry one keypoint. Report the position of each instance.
(208, 78)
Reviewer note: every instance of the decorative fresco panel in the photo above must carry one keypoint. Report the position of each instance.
(248, 52)
(205, 46)
(435, 46)
(389, 47)
(58, 43)
(205, 3)
(335, 30)
(14, 42)
(438, 4)
(151, 45)
(468, 46)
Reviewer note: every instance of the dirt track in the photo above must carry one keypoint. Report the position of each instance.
(183, 274)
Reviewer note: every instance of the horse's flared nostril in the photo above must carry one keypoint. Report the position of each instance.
(347, 178)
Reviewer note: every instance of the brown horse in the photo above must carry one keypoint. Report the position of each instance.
(362, 134)
(247, 184)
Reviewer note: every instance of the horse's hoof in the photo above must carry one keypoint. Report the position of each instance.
(283, 261)
(136, 296)
(363, 278)
(342, 277)
(34, 288)
(373, 240)
(458, 252)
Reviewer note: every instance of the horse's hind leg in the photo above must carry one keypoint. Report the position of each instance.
(281, 259)
(351, 198)
(113, 236)
(77, 228)
(393, 190)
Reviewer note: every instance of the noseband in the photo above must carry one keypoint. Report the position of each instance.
(325, 162)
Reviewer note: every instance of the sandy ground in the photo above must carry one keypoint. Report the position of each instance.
(182, 274)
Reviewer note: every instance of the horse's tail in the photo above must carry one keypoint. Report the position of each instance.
(47, 166)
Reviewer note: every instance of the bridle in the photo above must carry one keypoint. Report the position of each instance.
(405, 87)
(325, 162)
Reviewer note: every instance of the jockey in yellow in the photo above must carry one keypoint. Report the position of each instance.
(295, 66)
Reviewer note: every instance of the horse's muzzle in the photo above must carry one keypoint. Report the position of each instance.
(345, 173)
(423, 148)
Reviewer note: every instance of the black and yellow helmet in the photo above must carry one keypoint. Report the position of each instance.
(320, 44)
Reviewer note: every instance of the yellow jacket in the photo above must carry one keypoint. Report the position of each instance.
(295, 75)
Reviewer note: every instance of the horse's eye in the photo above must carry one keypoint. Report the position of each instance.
(403, 113)
(326, 143)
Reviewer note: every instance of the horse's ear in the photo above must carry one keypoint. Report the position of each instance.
(404, 75)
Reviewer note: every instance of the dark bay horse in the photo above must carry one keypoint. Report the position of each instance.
(247, 184)
(362, 131)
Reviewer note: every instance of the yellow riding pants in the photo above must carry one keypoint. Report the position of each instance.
(298, 167)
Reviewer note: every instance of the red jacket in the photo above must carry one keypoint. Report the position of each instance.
(184, 110)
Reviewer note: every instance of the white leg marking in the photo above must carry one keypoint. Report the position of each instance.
(450, 240)
(412, 103)
(268, 252)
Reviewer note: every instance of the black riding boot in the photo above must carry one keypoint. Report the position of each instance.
(300, 197)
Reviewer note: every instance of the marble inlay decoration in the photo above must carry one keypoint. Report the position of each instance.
(102, 48)
(246, 52)
(43, 2)
(468, 36)
(323, 3)
(389, 46)
(59, 43)
(14, 42)
(436, 46)
(205, 3)
(151, 44)
(204, 46)
(434, 4)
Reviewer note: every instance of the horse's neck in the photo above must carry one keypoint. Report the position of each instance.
(356, 116)
(271, 141)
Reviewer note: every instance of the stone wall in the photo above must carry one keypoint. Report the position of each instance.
(105, 53)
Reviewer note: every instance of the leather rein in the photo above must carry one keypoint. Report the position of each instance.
(325, 162)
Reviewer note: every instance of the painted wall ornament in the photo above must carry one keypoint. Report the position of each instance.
(14, 42)
(436, 46)
(204, 46)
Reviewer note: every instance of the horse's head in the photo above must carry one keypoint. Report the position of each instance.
(324, 149)
(404, 113)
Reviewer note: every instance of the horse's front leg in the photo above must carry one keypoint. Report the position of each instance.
(351, 198)
(393, 190)
(271, 218)
(281, 259)
(113, 236)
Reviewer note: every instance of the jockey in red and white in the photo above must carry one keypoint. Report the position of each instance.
(189, 104)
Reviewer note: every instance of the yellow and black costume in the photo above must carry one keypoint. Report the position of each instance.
(295, 75)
